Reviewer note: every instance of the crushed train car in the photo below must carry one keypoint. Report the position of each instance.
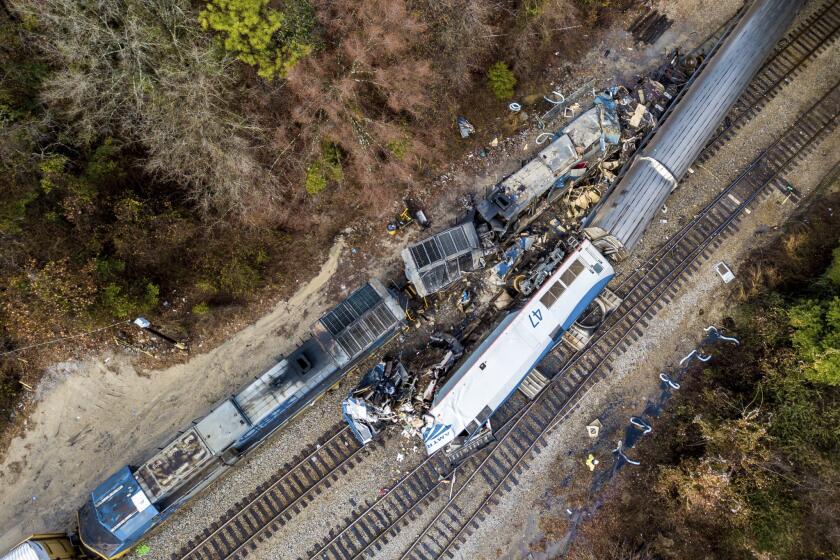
(377, 399)
(586, 138)
(390, 395)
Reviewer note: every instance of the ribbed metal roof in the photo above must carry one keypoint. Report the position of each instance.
(26, 551)
(630, 207)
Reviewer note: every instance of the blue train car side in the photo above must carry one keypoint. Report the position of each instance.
(134, 500)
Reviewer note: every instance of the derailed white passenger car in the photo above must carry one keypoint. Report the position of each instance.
(508, 354)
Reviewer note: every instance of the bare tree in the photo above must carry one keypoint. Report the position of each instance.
(464, 34)
(144, 70)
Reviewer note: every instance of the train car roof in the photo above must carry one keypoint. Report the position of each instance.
(116, 514)
(528, 332)
(26, 551)
(357, 323)
(439, 260)
(164, 471)
(476, 355)
(274, 395)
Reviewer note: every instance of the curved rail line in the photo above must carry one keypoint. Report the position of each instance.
(524, 435)
(275, 502)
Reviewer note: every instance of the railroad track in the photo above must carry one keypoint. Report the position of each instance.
(494, 471)
(794, 54)
(271, 505)
(276, 501)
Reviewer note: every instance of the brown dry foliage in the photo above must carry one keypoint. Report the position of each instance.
(214, 160)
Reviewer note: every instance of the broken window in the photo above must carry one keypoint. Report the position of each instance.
(576, 267)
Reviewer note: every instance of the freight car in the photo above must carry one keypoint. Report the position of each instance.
(135, 499)
(590, 135)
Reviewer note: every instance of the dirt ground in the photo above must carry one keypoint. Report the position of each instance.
(93, 416)
(96, 415)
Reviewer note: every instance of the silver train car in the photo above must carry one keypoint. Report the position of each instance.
(135, 499)
(619, 221)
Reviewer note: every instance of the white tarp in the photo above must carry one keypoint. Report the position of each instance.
(26, 551)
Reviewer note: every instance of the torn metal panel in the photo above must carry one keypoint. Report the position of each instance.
(584, 131)
(383, 382)
(435, 263)
(465, 127)
(589, 136)
(511, 257)
(361, 419)
(371, 404)
(559, 154)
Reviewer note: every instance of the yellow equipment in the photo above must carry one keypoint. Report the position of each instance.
(45, 546)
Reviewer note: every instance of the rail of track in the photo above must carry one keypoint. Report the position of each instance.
(792, 55)
(276, 501)
(494, 471)
(297, 483)
(509, 458)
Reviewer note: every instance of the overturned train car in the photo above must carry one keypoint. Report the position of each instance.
(496, 368)
(437, 262)
(618, 222)
(135, 499)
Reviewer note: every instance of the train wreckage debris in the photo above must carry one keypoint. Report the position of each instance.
(509, 244)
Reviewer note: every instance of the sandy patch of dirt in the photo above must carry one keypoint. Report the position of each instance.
(94, 415)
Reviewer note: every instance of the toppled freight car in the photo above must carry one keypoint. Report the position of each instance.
(586, 138)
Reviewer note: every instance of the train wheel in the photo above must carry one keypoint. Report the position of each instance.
(592, 316)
